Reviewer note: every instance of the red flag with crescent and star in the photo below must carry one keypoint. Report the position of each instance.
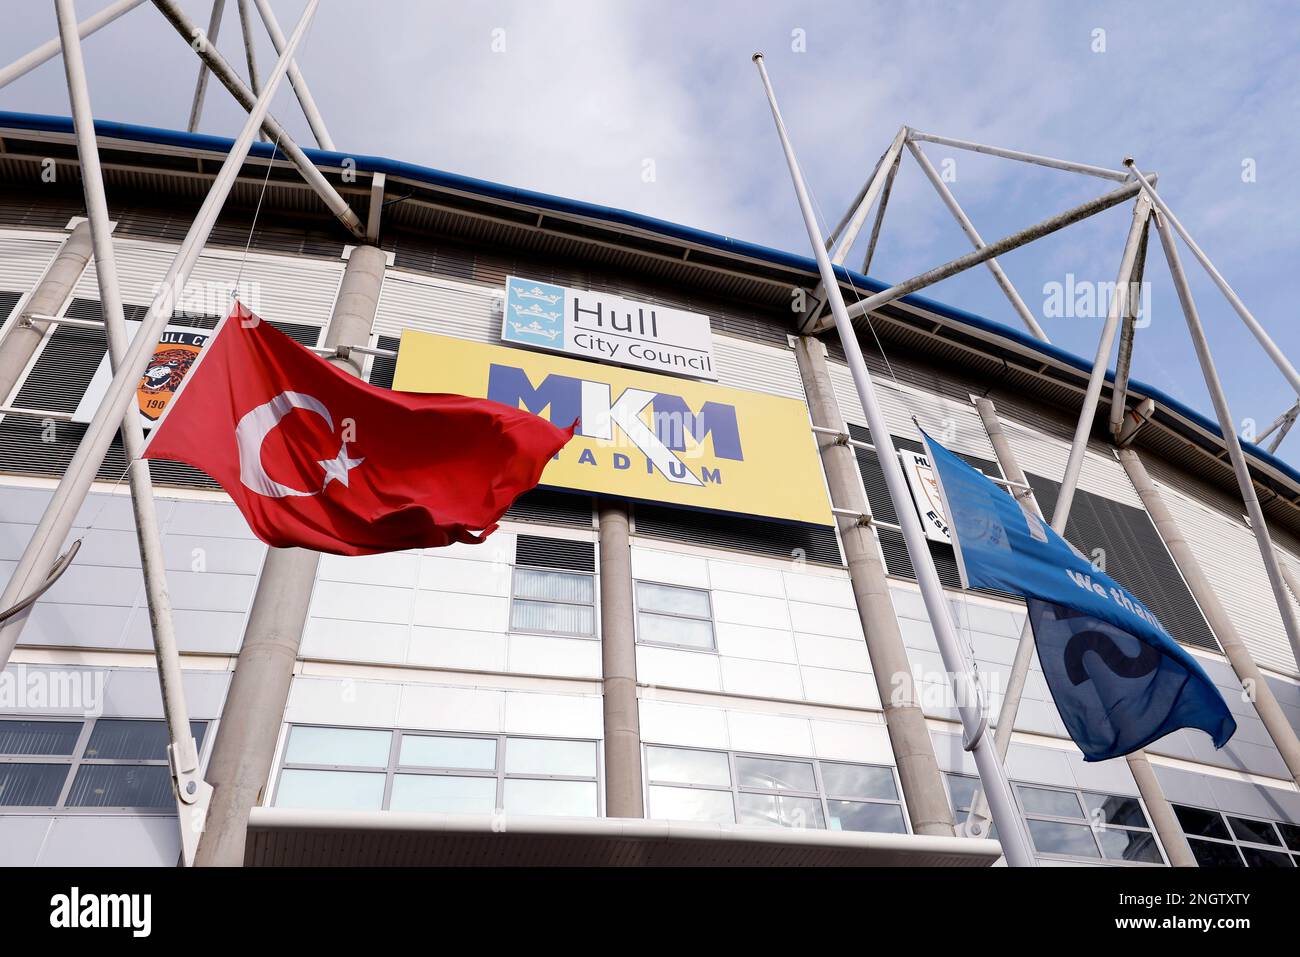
(319, 459)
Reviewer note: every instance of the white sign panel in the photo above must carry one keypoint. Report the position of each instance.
(925, 493)
(176, 351)
(609, 328)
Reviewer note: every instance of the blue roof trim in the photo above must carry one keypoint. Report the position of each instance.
(378, 164)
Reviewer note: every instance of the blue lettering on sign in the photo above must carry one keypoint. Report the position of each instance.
(674, 420)
(510, 386)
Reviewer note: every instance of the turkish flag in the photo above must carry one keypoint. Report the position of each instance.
(317, 458)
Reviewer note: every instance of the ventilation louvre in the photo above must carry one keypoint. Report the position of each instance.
(7, 302)
(740, 533)
(538, 552)
(1135, 556)
(551, 508)
(383, 368)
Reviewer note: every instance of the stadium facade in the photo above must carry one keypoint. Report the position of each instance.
(623, 673)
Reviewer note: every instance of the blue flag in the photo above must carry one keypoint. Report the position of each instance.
(1118, 679)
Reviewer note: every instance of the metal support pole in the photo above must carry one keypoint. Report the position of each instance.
(1282, 425)
(24, 335)
(201, 84)
(1270, 347)
(880, 214)
(1015, 241)
(244, 749)
(309, 110)
(277, 133)
(189, 789)
(1247, 485)
(909, 737)
(50, 49)
(1018, 304)
(56, 522)
(1253, 682)
(1012, 831)
(857, 215)
(1097, 378)
(1119, 389)
(623, 783)
(1101, 172)
(250, 50)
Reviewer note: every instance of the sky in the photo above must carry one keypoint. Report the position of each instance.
(656, 107)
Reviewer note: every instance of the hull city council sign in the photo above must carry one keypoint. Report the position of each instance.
(597, 325)
(640, 436)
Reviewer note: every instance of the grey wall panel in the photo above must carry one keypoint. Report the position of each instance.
(21, 838)
(77, 840)
(1034, 765)
(133, 693)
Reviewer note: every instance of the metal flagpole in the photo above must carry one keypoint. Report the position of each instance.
(56, 521)
(1247, 485)
(192, 793)
(50, 49)
(1011, 827)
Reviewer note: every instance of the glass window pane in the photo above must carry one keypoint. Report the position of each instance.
(556, 586)
(565, 798)
(1200, 822)
(351, 747)
(858, 780)
(31, 785)
(1119, 845)
(681, 632)
(122, 785)
(1211, 854)
(1055, 803)
(1258, 858)
(1113, 809)
(687, 767)
(856, 816)
(337, 790)
(38, 737)
(691, 804)
(533, 756)
(1290, 834)
(778, 809)
(771, 773)
(552, 618)
(433, 751)
(134, 740)
(1053, 837)
(443, 793)
(1257, 832)
(672, 600)
(962, 789)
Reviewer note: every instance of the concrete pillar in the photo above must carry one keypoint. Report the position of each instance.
(259, 690)
(24, 337)
(923, 789)
(1239, 657)
(624, 795)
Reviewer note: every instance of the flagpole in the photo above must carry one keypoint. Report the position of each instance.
(56, 521)
(1012, 832)
(191, 792)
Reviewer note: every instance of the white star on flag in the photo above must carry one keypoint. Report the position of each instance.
(337, 468)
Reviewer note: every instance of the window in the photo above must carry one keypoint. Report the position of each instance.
(674, 616)
(718, 786)
(554, 590)
(369, 769)
(1087, 824)
(1230, 840)
(105, 763)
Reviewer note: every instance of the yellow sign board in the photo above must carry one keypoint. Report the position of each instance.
(640, 435)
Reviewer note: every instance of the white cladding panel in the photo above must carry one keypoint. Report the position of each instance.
(757, 367)
(440, 306)
(23, 260)
(954, 423)
(278, 288)
(1227, 551)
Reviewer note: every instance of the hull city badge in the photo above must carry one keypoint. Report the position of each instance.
(177, 350)
(175, 354)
